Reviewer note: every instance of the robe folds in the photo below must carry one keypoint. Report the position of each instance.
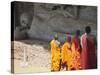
(89, 53)
(76, 50)
(67, 57)
(55, 55)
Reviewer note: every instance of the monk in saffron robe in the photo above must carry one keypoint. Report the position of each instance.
(66, 54)
(76, 50)
(55, 54)
(88, 54)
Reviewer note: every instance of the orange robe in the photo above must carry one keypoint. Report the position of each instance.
(76, 52)
(67, 56)
(55, 56)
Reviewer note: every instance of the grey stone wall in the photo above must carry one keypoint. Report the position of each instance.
(88, 13)
(50, 19)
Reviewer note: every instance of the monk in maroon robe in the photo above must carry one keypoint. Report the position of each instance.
(88, 53)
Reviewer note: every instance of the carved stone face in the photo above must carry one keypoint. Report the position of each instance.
(25, 20)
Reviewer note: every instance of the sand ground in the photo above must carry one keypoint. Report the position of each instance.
(37, 56)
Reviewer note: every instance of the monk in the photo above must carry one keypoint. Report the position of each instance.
(66, 54)
(55, 54)
(89, 53)
(76, 50)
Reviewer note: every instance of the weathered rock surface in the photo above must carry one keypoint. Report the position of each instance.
(49, 19)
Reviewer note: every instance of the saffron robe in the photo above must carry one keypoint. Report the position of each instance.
(55, 55)
(67, 57)
(76, 50)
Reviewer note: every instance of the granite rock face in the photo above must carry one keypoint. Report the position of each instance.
(45, 20)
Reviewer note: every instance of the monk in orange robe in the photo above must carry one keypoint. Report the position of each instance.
(89, 53)
(66, 55)
(76, 50)
(55, 54)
